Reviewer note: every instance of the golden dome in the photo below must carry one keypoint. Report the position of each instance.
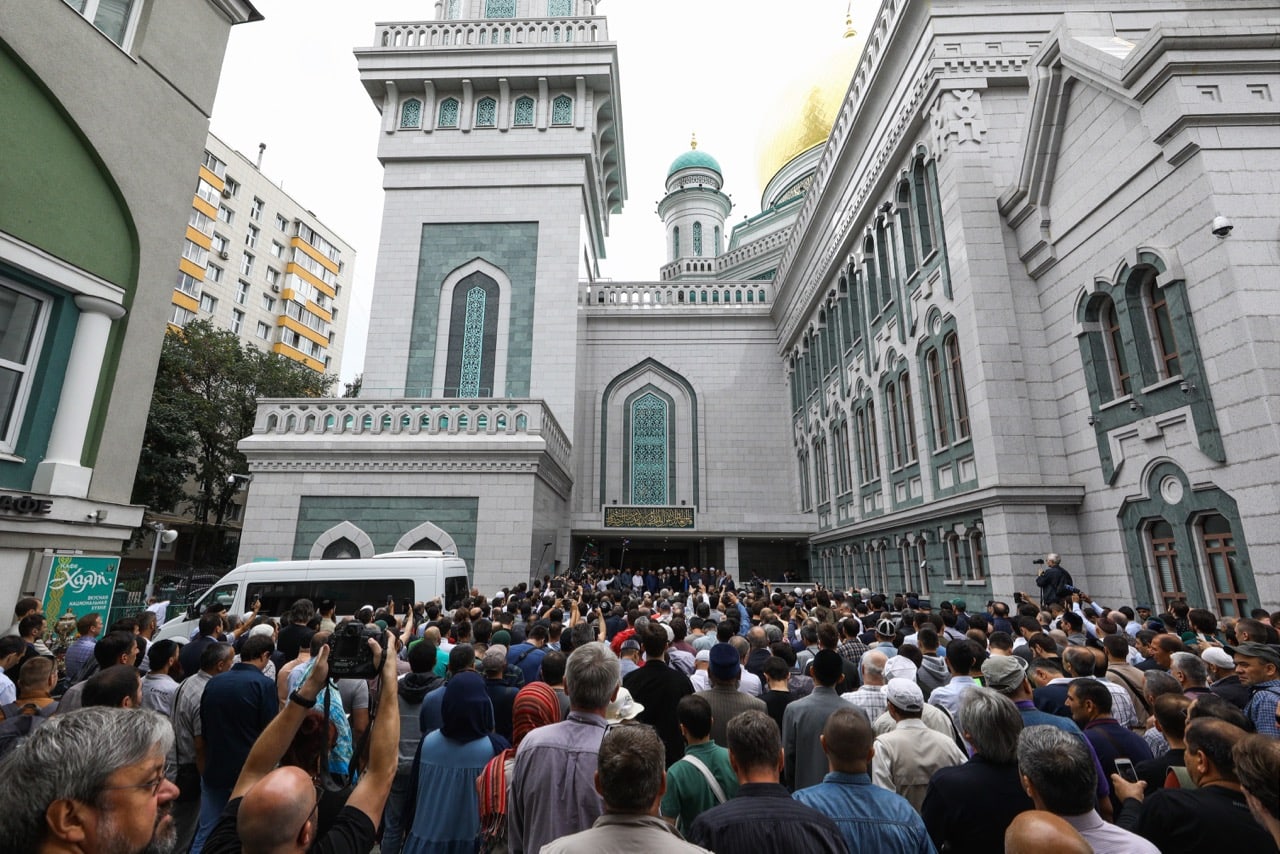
(810, 105)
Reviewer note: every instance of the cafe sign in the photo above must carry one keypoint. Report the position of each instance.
(80, 584)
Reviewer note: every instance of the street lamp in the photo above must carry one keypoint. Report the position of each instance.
(163, 535)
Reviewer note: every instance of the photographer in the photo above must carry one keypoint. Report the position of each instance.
(276, 810)
(1054, 581)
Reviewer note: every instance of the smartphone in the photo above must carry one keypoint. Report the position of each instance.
(1125, 769)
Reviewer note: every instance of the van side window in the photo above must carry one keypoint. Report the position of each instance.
(278, 597)
(455, 590)
(224, 594)
(350, 596)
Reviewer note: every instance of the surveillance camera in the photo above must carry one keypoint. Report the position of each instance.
(1222, 226)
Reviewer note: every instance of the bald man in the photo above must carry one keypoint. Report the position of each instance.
(275, 811)
(1040, 832)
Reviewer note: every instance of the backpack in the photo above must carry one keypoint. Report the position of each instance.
(19, 722)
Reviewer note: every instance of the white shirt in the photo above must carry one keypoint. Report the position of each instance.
(8, 691)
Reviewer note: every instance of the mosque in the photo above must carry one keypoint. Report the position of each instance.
(1011, 290)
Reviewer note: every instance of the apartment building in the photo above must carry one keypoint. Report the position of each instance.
(257, 262)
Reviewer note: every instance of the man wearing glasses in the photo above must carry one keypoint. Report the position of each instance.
(93, 781)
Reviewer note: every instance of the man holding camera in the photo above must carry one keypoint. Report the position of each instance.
(1054, 581)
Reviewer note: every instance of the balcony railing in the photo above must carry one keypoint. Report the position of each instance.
(425, 419)
(669, 296)
(490, 33)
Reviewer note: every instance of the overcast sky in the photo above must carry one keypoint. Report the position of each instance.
(717, 67)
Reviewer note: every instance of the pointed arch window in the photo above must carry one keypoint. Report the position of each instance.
(937, 400)
(650, 469)
(697, 239)
(908, 229)
(473, 332)
(1163, 341)
(1113, 346)
(718, 247)
(523, 117)
(910, 448)
(897, 441)
(449, 111)
(486, 113)
(562, 110)
(882, 264)
(411, 114)
(924, 222)
(675, 242)
(1164, 559)
(341, 549)
(959, 398)
(1220, 562)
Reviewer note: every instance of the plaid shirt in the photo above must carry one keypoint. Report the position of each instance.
(852, 650)
(869, 698)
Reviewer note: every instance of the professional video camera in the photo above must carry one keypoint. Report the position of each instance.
(349, 653)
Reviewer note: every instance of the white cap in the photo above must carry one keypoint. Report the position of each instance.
(624, 707)
(900, 667)
(904, 694)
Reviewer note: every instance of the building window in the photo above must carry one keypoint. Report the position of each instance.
(263, 331)
(116, 19)
(246, 265)
(195, 253)
(213, 273)
(499, 8)
(524, 112)
(200, 222)
(455, 9)
(937, 400)
(208, 303)
(906, 228)
(1164, 558)
(1113, 346)
(1168, 363)
(277, 249)
(473, 327)
(188, 284)
(255, 211)
(273, 276)
(181, 316)
(473, 344)
(897, 443)
(805, 503)
(697, 239)
(214, 165)
(977, 557)
(562, 110)
(1220, 561)
(232, 188)
(268, 302)
(959, 398)
(908, 419)
(921, 188)
(22, 324)
(718, 245)
(281, 223)
(882, 264)
(251, 237)
(226, 214)
(559, 8)
(486, 113)
(411, 114)
(218, 244)
(206, 191)
(242, 292)
(448, 113)
(675, 242)
(237, 320)
(650, 473)
(955, 571)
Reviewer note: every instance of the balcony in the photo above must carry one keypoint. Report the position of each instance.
(500, 34)
(427, 421)
(678, 296)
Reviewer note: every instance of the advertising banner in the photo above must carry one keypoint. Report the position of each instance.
(80, 584)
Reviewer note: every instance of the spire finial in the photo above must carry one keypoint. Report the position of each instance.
(693, 143)
(849, 31)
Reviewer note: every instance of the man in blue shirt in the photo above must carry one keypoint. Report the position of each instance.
(528, 655)
(234, 710)
(870, 818)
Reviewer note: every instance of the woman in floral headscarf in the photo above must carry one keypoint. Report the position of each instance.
(536, 705)
(446, 817)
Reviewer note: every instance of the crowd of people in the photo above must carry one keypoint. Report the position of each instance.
(668, 711)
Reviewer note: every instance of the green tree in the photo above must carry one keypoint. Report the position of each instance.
(205, 401)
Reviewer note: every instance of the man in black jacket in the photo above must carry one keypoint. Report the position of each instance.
(1053, 580)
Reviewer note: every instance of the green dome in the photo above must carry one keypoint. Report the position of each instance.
(694, 158)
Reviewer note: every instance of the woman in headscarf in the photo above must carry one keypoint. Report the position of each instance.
(536, 705)
(446, 817)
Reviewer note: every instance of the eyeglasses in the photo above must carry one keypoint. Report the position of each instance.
(153, 785)
(319, 794)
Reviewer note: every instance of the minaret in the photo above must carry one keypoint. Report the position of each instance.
(501, 141)
(693, 213)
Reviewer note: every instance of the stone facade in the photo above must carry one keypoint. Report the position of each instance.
(989, 319)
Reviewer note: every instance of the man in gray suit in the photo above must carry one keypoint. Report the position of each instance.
(803, 720)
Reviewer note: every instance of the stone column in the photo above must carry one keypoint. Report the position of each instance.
(60, 473)
(731, 557)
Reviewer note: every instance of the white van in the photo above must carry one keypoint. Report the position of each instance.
(403, 576)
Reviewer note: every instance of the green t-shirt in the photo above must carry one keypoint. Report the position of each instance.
(688, 794)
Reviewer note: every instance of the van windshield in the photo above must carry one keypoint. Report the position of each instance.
(349, 596)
